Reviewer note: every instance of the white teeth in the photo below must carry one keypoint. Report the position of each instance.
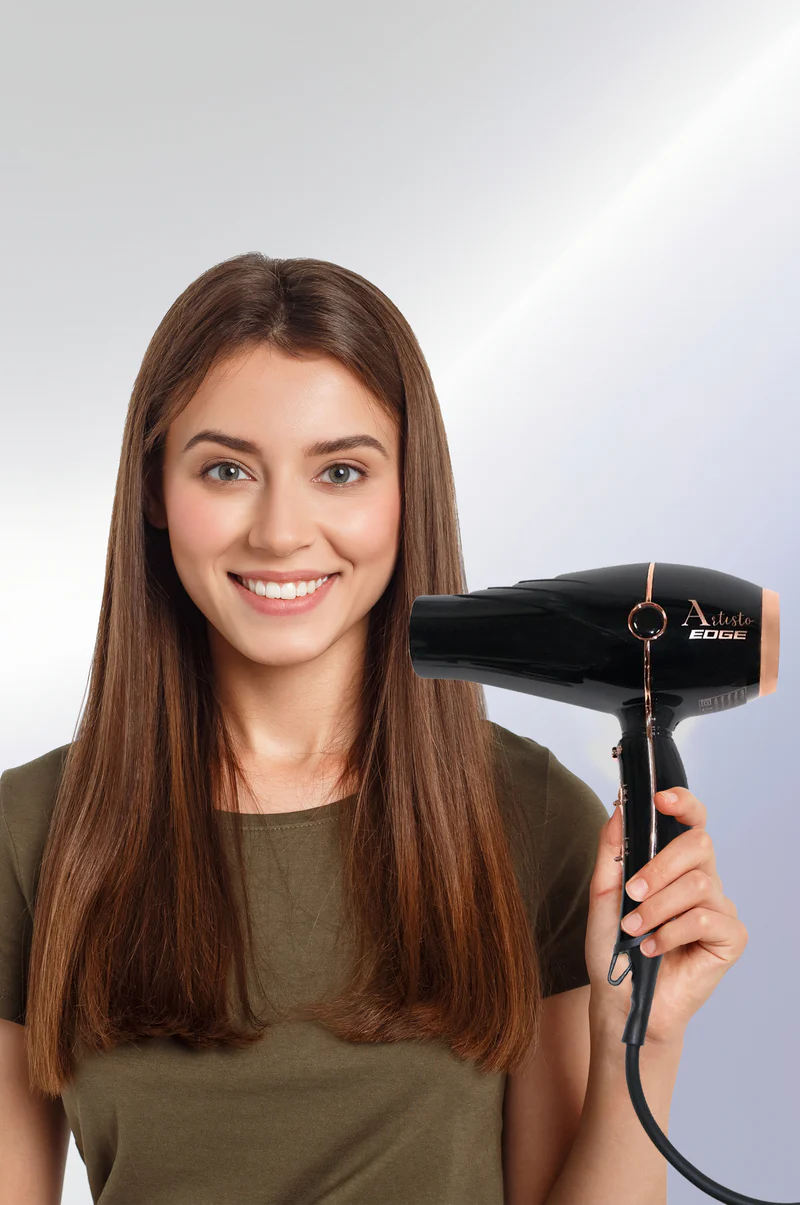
(284, 589)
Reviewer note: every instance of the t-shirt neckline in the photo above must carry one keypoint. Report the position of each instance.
(321, 814)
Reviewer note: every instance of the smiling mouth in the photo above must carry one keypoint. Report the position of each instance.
(309, 593)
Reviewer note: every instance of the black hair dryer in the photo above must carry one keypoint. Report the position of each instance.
(652, 643)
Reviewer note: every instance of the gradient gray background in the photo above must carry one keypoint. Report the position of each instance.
(587, 212)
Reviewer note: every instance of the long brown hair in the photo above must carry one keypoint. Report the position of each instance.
(443, 942)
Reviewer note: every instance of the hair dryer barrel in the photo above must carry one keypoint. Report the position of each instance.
(689, 639)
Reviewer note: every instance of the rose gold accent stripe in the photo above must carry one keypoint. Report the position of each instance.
(648, 710)
(770, 641)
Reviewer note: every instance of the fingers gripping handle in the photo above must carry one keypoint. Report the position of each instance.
(647, 764)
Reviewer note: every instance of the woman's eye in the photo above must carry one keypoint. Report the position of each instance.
(230, 467)
(227, 465)
(351, 468)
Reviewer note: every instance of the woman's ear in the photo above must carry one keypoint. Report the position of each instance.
(152, 502)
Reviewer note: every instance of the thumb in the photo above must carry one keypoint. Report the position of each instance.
(605, 898)
(608, 872)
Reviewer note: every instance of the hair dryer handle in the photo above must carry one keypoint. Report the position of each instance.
(647, 764)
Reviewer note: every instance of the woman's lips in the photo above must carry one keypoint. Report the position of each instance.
(284, 606)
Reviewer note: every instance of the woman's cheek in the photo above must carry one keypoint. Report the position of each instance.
(200, 525)
(373, 529)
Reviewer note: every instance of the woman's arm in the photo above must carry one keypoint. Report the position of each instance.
(612, 1160)
(34, 1132)
(544, 1098)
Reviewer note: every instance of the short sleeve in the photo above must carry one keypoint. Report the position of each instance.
(15, 924)
(27, 795)
(574, 816)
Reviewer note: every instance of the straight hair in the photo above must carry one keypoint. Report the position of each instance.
(137, 924)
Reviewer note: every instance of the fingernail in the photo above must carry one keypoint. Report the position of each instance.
(637, 889)
(668, 796)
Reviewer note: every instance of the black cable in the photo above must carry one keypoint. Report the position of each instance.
(668, 1150)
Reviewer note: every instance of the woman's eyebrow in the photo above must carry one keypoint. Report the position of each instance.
(324, 447)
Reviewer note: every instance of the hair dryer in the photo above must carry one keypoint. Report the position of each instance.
(652, 643)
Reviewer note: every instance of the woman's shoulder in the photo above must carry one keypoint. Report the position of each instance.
(523, 765)
(36, 779)
(555, 853)
(548, 794)
(519, 748)
(27, 795)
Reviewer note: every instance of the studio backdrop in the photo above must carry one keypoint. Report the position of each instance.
(588, 214)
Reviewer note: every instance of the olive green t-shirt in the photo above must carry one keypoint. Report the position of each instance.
(303, 1117)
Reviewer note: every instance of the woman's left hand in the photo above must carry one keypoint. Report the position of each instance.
(696, 926)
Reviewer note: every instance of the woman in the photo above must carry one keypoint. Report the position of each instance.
(286, 923)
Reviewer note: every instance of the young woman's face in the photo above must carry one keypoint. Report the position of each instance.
(280, 506)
